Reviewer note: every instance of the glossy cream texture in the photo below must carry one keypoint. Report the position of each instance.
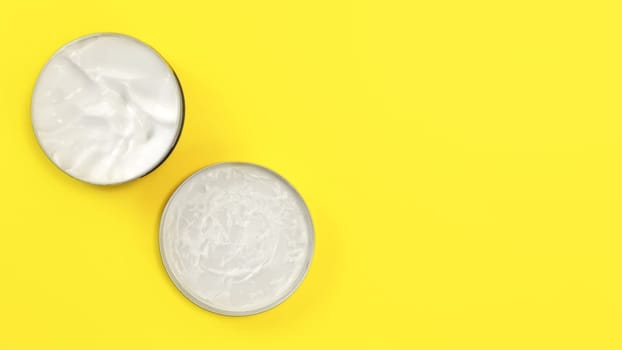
(236, 238)
(107, 109)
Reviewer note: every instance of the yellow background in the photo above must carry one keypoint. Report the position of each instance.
(461, 160)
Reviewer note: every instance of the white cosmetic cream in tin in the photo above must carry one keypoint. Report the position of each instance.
(236, 238)
(107, 109)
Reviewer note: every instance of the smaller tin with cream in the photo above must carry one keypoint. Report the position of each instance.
(107, 109)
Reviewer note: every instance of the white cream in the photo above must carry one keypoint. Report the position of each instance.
(107, 109)
(236, 238)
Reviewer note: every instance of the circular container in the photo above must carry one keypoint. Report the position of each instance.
(236, 239)
(107, 109)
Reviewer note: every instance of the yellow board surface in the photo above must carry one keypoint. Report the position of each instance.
(461, 161)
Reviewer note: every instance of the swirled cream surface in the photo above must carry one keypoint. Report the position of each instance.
(107, 109)
(236, 238)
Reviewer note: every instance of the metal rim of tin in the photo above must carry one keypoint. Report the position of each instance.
(294, 286)
(182, 108)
